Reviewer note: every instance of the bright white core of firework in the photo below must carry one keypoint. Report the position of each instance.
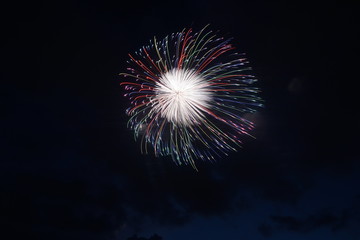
(181, 96)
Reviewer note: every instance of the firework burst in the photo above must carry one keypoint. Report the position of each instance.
(188, 95)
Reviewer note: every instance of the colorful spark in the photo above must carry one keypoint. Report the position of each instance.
(189, 93)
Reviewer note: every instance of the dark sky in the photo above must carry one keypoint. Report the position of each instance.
(70, 168)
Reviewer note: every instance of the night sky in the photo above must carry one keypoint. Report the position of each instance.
(70, 168)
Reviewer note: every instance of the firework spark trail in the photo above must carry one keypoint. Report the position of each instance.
(188, 93)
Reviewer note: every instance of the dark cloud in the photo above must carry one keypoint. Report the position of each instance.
(154, 237)
(325, 219)
(265, 230)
